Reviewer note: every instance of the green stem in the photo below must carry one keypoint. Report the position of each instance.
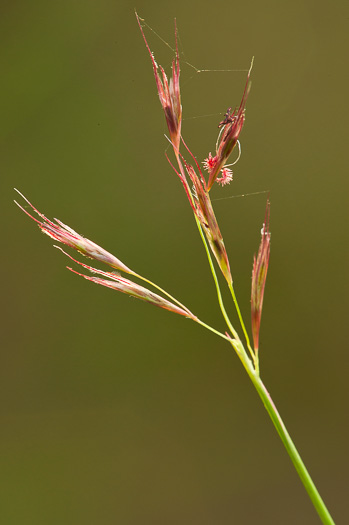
(280, 427)
(291, 450)
(254, 355)
(208, 327)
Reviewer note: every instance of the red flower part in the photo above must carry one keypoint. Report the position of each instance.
(226, 177)
(259, 276)
(62, 233)
(209, 163)
(169, 92)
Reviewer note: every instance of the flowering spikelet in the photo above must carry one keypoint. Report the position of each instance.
(62, 233)
(228, 137)
(259, 276)
(202, 207)
(116, 282)
(210, 226)
(169, 93)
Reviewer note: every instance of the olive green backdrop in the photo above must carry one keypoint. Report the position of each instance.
(114, 412)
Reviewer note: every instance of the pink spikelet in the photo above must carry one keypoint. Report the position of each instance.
(203, 209)
(132, 289)
(231, 127)
(169, 93)
(259, 276)
(62, 233)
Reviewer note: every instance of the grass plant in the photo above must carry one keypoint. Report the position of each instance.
(197, 189)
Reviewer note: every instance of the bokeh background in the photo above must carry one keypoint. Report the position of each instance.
(114, 412)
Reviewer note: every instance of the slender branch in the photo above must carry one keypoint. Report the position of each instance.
(219, 294)
(161, 290)
(208, 327)
(253, 354)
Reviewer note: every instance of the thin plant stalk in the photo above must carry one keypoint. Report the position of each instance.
(219, 294)
(236, 304)
(292, 451)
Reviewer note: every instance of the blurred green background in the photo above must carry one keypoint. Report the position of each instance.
(114, 412)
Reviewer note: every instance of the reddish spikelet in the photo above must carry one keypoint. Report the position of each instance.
(116, 282)
(169, 93)
(231, 127)
(202, 206)
(62, 233)
(259, 276)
